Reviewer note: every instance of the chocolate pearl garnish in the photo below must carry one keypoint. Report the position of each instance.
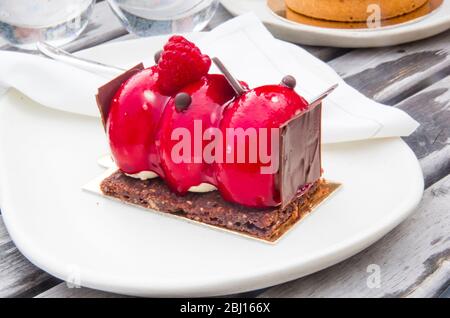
(158, 56)
(182, 101)
(289, 81)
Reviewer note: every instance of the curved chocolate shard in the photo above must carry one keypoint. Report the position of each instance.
(106, 93)
(300, 153)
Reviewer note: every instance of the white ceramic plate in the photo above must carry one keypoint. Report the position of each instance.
(436, 22)
(46, 156)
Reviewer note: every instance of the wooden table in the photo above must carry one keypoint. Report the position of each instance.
(414, 258)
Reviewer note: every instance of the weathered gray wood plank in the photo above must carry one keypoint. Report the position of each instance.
(414, 259)
(4, 237)
(390, 74)
(325, 53)
(431, 141)
(63, 291)
(18, 277)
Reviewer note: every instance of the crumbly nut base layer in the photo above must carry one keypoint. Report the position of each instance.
(209, 208)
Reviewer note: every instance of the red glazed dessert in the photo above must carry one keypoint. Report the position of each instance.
(143, 119)
(168, 118)
(132, 123)
(199, 107)
(270, 107)
(135, 111)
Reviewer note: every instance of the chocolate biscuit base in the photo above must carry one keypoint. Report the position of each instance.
(209, 208)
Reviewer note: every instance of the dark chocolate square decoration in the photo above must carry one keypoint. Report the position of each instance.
(300, 153)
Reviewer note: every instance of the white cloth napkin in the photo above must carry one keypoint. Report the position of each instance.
(251, 53)
(50, 83)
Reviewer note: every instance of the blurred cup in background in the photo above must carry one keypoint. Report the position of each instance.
(23, 23)
(154, 17)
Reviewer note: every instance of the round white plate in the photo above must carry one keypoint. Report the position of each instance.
(432, 24)
(46, 156)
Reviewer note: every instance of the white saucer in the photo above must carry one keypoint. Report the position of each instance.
(46, 156)
(436, 22)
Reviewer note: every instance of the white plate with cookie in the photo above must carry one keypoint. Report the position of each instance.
(426, 20)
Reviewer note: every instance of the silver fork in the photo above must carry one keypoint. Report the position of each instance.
(65, 57)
